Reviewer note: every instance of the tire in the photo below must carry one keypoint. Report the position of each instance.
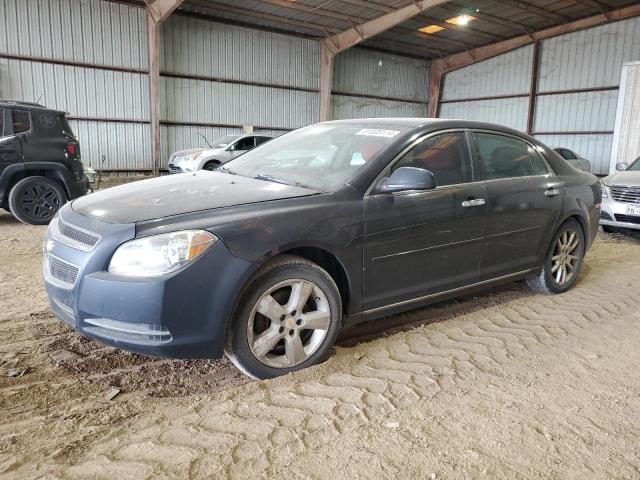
(273, 343)
(35, 200)
(211, 165)
(561, 255)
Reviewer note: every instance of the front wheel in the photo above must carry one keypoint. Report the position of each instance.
(563, 260)
(287, 319)
(35, 200)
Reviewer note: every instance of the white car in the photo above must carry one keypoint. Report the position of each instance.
(621, 197)
(574, 159)
(222, 150)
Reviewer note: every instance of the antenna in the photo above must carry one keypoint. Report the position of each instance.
(39, 98)
(205, 139)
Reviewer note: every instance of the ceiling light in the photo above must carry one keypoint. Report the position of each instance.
(430, 29)
(461, 20)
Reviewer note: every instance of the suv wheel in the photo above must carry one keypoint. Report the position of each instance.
(35, 200)
(287, 319)
(562, 262)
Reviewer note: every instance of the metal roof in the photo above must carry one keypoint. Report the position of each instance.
(496, 20)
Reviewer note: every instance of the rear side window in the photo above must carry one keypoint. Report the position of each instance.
(245, 143)
(537, 162)
(502, 157)
(21, 121)
(445, 155)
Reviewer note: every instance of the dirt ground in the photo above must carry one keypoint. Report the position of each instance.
(507, 384)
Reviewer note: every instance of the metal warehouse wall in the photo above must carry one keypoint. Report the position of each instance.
(576, 94)
(95, 71)
(371, 84)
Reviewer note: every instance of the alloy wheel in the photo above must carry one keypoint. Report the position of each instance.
(40, 201)
(289, 323)
(565, 259)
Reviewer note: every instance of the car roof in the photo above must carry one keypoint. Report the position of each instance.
(27, 105)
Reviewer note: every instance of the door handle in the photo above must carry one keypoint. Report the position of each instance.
(476, 202)
(552, 192)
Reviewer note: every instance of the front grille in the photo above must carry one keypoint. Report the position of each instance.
(628, 219)
(174, 169)
(78, 235)
(63, 271)
(625, 194)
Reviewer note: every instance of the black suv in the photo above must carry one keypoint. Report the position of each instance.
(40, 167)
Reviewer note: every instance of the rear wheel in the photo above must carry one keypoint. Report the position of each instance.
(287, 319)
(563, 260)
(35, 200)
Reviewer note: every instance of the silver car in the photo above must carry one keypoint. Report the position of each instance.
(574, 159)
(220, 152)
(621, 197)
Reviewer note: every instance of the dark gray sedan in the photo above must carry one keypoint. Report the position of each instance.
(269, 256)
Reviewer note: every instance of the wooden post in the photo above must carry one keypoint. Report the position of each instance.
(533, 90)
(326, 81)
(153, 36)
(436, 75)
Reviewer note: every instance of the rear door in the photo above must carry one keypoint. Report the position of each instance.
(417, 243)
(10, 145)
(524, 198)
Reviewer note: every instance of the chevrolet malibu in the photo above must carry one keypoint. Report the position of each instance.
(268, 257)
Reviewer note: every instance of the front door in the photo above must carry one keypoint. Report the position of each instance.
(10, 145)
(524, 198)
(419, 243)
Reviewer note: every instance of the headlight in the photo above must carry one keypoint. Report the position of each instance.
(605, 190)
(160, 254)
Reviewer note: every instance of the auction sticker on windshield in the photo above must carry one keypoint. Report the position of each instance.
(374, 132)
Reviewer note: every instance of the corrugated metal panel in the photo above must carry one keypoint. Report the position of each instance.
(626, 141)
(589, 58)
(178, 137)
(200, 47)
(214, 102)
(502, 75)
(124, 145)
(358, 107)
(85, 92)
(511, 112)
(595, 148)
(587, 111)
(367, 72)
(91, 31)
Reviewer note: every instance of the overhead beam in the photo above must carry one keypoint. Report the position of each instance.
(161, 9)
(334, 44)
(157, 12)
(529, 8)
(440, 67)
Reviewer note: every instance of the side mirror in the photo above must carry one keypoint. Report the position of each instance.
(622, 166)
(408, 178)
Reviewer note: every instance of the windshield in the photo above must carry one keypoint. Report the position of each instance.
(224, 141)
(322, 157)
(635, 166)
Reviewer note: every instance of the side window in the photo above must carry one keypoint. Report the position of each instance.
(445, 155)
(502, 157)
(245, 143)
(2, 132)
(539, 166)
(260, 140)
(21, 121)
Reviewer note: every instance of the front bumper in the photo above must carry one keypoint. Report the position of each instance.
(181, 315)
(614, 214)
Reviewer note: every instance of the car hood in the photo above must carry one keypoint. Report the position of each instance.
(179, 194)
(623, 178)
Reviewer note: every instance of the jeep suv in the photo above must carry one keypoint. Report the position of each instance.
(40, 167)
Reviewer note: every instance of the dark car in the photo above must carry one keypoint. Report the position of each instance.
(40, 166)
(268, 257)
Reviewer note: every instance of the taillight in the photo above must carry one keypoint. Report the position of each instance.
(71, 149)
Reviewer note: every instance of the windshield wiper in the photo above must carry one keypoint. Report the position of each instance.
(226, 170)
(269, 178)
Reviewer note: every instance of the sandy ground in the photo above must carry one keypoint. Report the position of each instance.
(504, 385)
